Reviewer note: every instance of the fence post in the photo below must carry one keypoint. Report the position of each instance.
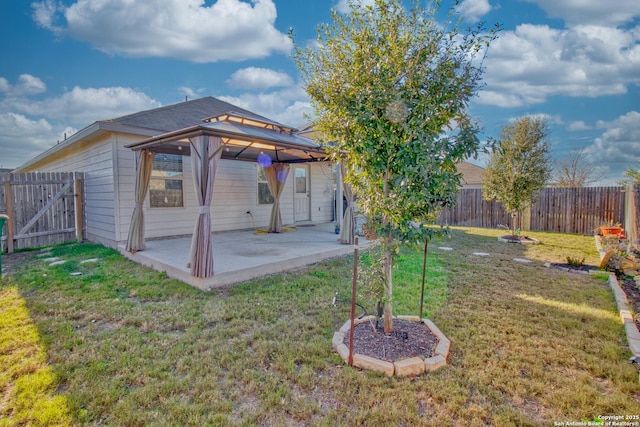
(525, 222)
(77, 207)
(8, 198)
(630, 214)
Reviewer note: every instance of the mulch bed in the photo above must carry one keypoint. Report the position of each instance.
(517, 239)
(629, 287)
(633, 296)
(409, 339)
(584, 268)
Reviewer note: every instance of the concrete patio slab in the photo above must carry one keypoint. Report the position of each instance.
(240, 256)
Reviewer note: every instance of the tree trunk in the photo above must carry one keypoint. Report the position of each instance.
(388, 286)
(387, 253)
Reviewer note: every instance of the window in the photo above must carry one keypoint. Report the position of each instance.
(301, 180)
(165, 186)
(264, 194)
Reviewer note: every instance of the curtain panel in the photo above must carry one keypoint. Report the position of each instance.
(276, 175)
(144, 166)
(347, 228)
(205, 156)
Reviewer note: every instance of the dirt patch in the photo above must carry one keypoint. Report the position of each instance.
(12, 262)
(584, 268)
(409, 339)
(523, 240)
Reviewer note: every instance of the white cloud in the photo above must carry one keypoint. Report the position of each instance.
(231, 30)
(578, 126)
(259, 78)
(287, 106)
(599, 12)
(29, 126)
(473, 10)
(191, 93)
(81, 107)
(27, 85)
(343, 5)
(22, 138)
(44, 13)
(618, 148)
(534, 62)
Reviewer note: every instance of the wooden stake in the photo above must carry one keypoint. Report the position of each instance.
(424, 271)
(353, 299)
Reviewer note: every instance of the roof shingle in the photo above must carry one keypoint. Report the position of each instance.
(181, 115)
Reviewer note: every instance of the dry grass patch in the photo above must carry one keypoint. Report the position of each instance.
(530, 345)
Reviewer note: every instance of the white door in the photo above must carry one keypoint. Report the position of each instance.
(302, 193)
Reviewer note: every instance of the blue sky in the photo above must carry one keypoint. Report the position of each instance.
(66, 64)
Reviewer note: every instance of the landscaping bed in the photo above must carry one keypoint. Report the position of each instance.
(630, 289)
(409, 339)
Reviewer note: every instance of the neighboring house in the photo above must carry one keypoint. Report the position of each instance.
(241, 199)
(471, 175)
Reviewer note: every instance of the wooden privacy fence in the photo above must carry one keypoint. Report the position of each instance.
(43, 208)
(564, 210)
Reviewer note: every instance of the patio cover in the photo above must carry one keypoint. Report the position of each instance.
(229, 136)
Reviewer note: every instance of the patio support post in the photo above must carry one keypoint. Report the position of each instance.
(347, 229)
(205, 155)
(276, 175)
(144, 166)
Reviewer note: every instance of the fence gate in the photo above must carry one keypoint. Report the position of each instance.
(43, 208)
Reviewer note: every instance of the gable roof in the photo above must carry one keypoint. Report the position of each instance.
(181, 115)
(471, 174)
(146, 123)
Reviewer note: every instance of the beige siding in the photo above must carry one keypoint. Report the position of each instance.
(235, 194)
(323, 186)
(109, 197)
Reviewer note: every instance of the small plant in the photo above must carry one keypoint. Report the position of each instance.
(575, 262)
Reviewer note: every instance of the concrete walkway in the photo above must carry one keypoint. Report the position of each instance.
(240, 256)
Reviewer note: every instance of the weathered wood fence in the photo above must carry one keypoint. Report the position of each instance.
(43, 209)
(564, 210)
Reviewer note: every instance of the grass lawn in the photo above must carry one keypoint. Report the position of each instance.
(123, 345)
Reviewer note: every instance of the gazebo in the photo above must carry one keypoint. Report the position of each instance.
(232, 136)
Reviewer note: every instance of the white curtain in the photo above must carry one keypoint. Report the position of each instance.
(144, 166)
(347, 228)
(205, 155)
(276, 175)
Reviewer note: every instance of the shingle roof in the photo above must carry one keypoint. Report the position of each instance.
(471, 174)
(181, 115)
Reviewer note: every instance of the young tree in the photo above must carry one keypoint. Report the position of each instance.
(576, 170)
(390, 89)
(520, 166)
(632, 176)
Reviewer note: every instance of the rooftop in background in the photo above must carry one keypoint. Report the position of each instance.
(471, 175)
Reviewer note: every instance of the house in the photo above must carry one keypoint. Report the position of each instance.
(471, 175)
(107, 150)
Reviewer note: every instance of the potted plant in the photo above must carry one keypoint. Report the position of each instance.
(610, 228)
